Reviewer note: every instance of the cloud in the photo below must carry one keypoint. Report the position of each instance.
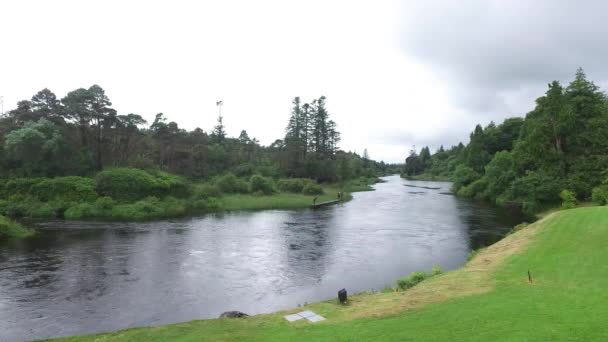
(499, 55)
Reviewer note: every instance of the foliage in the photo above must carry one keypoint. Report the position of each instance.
(129, 184)
(12, 229)
(67, 189)
(261, 184)
(231, 184)
(312, 189)
(413, 279)
(568, 199)
(205, 191)
(36, 148)
(600, 195)
(437, 270)
(295, 185)
(560, 144)
(82, 134)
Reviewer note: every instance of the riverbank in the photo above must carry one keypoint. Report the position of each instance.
(125, 194)
(489, 298)
(11, 229)
(427, 177)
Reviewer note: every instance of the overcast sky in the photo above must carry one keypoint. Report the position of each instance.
(395, 73)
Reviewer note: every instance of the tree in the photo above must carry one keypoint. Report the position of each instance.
(36, 148)
(218, 135)
(46, 105)
(102, 115)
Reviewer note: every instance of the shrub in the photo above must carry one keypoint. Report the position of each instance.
(408, 282)
(261, 184)
(568, 199)
(475, 189)
(20, 186)
(172, 185)
(437, 270)
(203, 205)
(294, 185)
(600, 195)
(535, 189)
(171, 207)
(69, 189)
(43, 210)
(19, 206)
(312, 189)
(206, 191)
(128, 184)
(81, 211)
(244, 170)
(230, 184)
(60, 206)
(104, 203)
(11, 229)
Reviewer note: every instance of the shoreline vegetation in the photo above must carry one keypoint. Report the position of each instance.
(557, 151)
(128, 194)
(10, 229)
(532, 272)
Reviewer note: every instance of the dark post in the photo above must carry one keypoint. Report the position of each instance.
(529, 277)
(342, 296)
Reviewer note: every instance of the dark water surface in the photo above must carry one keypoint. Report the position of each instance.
(84, 277)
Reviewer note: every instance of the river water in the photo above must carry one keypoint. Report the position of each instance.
(85, 277)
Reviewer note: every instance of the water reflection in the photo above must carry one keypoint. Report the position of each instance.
(83, 277)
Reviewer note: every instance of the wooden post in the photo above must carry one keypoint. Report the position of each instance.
(529, 277)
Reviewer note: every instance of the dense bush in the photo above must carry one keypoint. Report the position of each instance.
(67, 189)
(295, 185)
(81, 211)
(206, 191)
(312, 189)
(261, 184)
(172, 185)
(20, 186)
(476, 189)
(128, 184)
(11, 229)
(463, 176)
(600, 195)
(568, 199)
(534, 189)
(229, 183)
(105, 203)
(408, 282)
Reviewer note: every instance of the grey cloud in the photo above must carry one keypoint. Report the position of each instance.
(486, 49)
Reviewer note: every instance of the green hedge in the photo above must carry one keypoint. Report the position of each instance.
(66, 189)
(129, 184)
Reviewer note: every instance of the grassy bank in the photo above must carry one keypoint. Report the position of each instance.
(126, 194)
(488, 299)
(11, 229)
(281, 200)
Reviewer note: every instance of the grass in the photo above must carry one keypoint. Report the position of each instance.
(12, 229)
(283, 200)
(488, 299)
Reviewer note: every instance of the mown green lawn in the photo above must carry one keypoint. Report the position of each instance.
(488, 300)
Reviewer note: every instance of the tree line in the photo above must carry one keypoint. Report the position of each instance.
(82, 134)
(559, 148)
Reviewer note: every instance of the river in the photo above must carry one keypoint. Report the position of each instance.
(85, 277)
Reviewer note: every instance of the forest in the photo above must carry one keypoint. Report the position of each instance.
(77, 157)
(558, 152)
